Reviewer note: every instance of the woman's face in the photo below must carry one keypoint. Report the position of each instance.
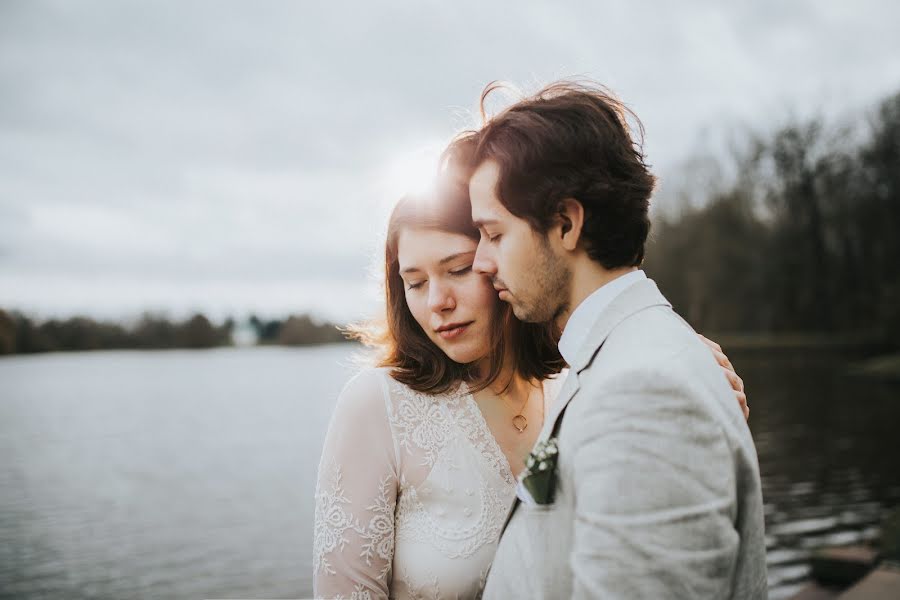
(454, 305)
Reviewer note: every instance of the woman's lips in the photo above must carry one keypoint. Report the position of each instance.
(455, 332)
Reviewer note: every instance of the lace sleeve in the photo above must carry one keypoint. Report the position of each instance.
(356, 494)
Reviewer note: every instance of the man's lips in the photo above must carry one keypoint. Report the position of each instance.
(453, 330)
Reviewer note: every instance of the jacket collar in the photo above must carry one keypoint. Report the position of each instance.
(637, 297)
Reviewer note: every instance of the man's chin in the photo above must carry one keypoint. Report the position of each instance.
(523, 314)
(532, 314)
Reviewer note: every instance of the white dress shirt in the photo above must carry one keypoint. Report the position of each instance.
(584, 315)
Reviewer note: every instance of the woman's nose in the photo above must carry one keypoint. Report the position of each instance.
(440, 298)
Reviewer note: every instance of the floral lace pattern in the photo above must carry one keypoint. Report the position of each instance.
(425, 525)
(379, 533)
(481, 437)
(334, 520)
(422, 422)
(426, 424)
(414, 522)
(415, 591)
(359, 593)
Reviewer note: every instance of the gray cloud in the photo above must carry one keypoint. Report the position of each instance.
(241, 147)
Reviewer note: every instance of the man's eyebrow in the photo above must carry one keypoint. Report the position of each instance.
(443, 261)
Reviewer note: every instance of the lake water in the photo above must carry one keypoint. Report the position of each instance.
(190, 474)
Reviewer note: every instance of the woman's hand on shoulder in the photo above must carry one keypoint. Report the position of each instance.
(737, 384)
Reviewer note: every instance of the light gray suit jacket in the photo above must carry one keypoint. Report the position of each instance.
(658, 489)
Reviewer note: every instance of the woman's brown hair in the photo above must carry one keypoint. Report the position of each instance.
(404, 347)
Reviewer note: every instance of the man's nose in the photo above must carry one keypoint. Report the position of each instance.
(440, 298)
(484, 262)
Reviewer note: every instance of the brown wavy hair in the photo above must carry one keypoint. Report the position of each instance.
(403, 346)
(572, 140)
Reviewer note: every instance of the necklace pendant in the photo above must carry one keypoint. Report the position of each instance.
(520, 423)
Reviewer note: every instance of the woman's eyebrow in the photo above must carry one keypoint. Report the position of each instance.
(453, 257)
(443, 261)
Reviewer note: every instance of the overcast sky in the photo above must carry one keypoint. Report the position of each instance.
(235, 157)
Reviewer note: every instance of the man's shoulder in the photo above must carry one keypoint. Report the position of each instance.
(652, 350)
(649, 339)
(656, 356)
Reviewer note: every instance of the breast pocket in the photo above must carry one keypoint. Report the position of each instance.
(531, 547)
(533, 531)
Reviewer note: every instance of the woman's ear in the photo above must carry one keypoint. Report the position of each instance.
(570, 213)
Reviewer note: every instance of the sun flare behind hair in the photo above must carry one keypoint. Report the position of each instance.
(410, 172)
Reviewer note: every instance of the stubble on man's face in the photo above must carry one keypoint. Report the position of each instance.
(545, 294)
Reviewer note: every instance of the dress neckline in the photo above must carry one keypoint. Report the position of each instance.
(506, 469)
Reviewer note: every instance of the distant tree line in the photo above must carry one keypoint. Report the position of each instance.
(19, 334)
(804, 237)
(22, 335)
(295, 331)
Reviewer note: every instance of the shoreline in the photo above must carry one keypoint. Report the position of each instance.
(885, 367)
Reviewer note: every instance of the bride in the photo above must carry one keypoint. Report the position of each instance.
(421, 456)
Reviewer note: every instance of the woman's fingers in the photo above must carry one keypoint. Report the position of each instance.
(710, 343)
(737, 384)
(742, 400)
(723, 360)
(716, 349)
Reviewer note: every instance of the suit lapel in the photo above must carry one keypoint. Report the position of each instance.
(643, 294)
(566, 392)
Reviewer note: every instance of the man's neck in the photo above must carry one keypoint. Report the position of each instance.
(586, 279)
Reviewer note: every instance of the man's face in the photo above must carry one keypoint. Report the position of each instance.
(523, 265)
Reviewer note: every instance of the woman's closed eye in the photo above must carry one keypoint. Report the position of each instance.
(414, 285)
(461, 271)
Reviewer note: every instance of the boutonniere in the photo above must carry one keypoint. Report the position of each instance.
(539, 477)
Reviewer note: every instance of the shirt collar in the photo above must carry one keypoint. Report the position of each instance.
(586, 313)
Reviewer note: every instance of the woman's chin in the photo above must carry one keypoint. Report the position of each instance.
(463, 356)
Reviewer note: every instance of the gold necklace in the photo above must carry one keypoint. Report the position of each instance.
(520, 421)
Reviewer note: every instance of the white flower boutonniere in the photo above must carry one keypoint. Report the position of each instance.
(539, 476)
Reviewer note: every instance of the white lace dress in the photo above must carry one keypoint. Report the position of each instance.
(411, 495)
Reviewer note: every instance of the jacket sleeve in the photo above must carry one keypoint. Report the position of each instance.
(654, 489)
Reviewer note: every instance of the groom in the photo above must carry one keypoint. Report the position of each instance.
(654, 491)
